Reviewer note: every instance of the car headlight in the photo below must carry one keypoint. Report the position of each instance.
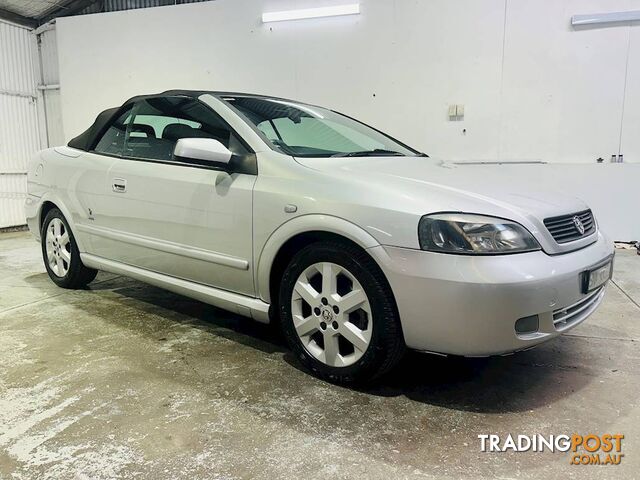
(473, 234)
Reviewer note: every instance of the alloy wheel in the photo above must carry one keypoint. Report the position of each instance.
(58, 247)
(331, 314)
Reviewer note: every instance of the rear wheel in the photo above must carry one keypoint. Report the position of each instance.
(61, 255)
(338, 313)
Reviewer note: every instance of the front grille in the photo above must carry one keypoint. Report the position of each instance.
(566, 317)
(564, 228)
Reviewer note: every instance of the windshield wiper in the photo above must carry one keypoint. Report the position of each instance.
(369, 153)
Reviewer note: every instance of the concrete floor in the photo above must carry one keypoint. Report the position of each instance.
(125, 380)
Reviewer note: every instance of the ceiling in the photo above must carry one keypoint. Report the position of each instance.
(30, 8)
(32, 13)
(35, 12)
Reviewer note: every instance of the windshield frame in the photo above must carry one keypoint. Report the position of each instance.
(224, 98)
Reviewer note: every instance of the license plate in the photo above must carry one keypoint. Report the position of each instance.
(596, 277)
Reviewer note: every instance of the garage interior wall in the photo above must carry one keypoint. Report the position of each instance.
(18, 120)
(534, 88)
(30, 110)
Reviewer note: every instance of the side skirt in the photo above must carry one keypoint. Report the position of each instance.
(241, 304)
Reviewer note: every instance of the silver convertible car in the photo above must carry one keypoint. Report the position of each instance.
(358, 245)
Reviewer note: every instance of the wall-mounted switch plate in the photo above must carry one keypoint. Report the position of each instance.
(456, 112)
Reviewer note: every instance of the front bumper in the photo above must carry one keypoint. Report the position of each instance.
(466, 305)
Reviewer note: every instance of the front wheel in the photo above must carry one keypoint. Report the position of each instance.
(61, 255)
(338, 313)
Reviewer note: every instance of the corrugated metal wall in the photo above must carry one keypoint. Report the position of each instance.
(30, 109)
(19, 138)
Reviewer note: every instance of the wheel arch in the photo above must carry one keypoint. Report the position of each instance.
(293, 235)
(47, 206)
(49, 202)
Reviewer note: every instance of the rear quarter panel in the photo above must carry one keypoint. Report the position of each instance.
(71, 181)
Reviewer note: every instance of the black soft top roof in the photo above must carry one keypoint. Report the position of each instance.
(87, 139)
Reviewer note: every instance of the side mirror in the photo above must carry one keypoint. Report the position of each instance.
(204, 150)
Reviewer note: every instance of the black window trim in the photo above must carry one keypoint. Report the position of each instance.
(246, 164)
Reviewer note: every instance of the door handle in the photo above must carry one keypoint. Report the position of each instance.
(119, 185)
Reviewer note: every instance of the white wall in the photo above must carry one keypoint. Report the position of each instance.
(630, 134)
(563, 88)
(533, 87)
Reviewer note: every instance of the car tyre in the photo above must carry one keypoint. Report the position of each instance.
(60, 253)
(355, 345)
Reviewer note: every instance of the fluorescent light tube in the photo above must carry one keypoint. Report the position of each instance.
(598, 18)
(351, 9)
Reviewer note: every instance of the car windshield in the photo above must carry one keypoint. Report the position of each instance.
(308, 131)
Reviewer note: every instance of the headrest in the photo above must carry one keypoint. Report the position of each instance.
(141, 127)
(175, 131)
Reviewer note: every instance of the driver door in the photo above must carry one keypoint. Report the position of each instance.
(185, 220)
